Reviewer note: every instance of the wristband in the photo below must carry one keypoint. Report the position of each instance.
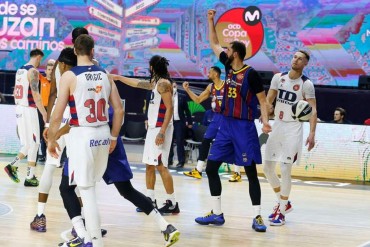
(46, 125)
(113, 138)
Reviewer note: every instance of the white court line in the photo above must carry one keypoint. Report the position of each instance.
(11, 209)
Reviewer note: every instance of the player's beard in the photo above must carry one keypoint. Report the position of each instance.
(229, 61)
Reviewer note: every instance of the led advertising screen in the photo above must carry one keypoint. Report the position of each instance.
(128, 33)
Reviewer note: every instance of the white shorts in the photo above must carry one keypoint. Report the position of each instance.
(87, 151)
(28, 130)
(153, 153)
(61, 141)
(285, 142)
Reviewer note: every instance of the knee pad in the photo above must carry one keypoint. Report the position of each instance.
(46, 179)
(270, 173)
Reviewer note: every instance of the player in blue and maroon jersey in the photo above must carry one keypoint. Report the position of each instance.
(237, 139)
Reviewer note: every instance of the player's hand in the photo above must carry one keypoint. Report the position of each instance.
(159, 140)
(53, 148)
(185, 85)
(310, 141)
(211, 14)
(45, 133)
(266, 128)
(113, 144)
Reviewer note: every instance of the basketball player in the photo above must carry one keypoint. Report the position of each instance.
(285, 141)
(216, 91)
(160, 130)
(87, 89)
(28, 100)
(237, 139)
(119, 173)
(67, 59)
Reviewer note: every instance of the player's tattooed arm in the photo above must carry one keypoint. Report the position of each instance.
(144, 84)
(164, 86)
(34, 80)
(34, 83)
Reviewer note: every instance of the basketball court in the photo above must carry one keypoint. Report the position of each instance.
(326, 213)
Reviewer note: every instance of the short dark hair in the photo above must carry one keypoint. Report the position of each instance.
(342, 111)
(217, 69)
(306, 54)
(68, 57)
(36, 52)
(77, 32)
(239, 47)
(84, 45)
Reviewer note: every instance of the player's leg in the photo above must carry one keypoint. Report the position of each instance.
(171, 206)
(203, 153)
(33, 138)
(284, 204)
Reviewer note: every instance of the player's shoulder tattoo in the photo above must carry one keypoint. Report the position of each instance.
(34, 79)
(164, 86)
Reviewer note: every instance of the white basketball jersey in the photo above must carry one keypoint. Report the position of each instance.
(22, 90)
(156, 110)
(89, 102)
(57, 78)
(289, 92)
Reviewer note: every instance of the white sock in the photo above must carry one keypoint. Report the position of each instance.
(200, 165)
(82, 212)
(216, 201)
(257, 210)
(283, 204)
(161, 222)
(150, 194)
(15, 161)
(172, 198)
(278, 196)
(237, 169)
(30, 172)
(40, 208)
(79, 226)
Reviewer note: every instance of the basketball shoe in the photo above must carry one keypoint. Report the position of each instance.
(139, 210)
(279, 220)
(258, 224)
(39, 223)
(236, 177)
(194, 174)
(74, 242)
(31, 182)
(171, 235)
(211, 218)
(276, 210)
(12, 172)
(169, 208)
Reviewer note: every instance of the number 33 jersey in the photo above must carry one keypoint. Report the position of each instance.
(89, 102)
(289, 92)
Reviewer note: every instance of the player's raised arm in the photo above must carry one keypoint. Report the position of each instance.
(213, 40)
(143, 84)
(197, 98)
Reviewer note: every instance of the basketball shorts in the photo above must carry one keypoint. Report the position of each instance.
(154, 154)
(285, 142)
(28, 130)
(213, 126)
(236, 143)
(87, 150)
(118, 168)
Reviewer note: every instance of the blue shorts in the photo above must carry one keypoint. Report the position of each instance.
(213, 126)
(236, 143)
(118, 168)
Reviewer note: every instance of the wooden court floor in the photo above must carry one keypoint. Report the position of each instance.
(322, 215)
